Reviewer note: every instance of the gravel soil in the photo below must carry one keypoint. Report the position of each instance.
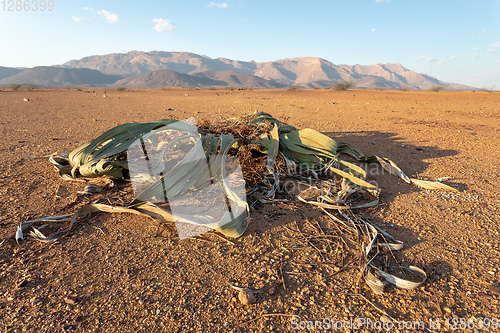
(126, 273)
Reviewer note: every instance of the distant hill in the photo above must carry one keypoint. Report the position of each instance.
(8, 71)
(206, 78)
(308, 72)
(59, 76)
(162, 78)
(395, 76)
(235, 79)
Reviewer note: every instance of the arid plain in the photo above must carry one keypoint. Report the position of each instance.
(123, 273)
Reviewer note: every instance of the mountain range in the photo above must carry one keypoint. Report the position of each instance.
(8, 71)
(59, 76)
(157, 69)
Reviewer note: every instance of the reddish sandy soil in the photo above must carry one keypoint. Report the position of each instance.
(124, 273)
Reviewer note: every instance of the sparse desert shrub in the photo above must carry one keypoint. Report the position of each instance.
(342, 85)
(31, 87)
(292, 88)
(15, 86)
(436, 88)
(121, 89)
(405, 87)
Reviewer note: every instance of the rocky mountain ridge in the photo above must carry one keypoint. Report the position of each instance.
(158, 68)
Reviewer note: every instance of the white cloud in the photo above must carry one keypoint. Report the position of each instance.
(163, 25)
(76, 19)
(425, 59)
(429, 60)
(380, 1)
(110, 17)
(373, 30)
(442, 61)
(497, 44)
(475, 55)
(218, 5)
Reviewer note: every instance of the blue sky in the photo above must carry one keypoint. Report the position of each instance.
(455, 41)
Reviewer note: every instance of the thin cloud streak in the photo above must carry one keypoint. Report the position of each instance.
(426, 59)
(108, 16)
(218, 5)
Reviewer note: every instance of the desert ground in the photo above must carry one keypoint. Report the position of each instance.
(125, 273)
